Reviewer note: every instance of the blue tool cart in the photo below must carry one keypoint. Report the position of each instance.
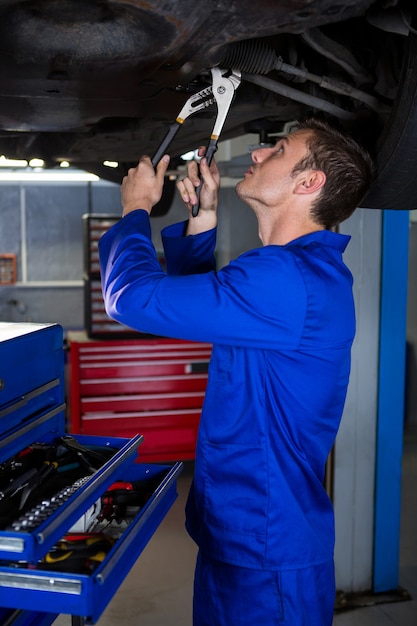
(76, 511)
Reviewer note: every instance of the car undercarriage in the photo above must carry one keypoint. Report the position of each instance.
(95, 81)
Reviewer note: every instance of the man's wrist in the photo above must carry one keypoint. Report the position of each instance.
(203, 222)
(145, 206)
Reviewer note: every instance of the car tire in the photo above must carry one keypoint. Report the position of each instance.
(396, 160)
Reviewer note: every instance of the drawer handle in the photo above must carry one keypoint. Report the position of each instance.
(197, 367)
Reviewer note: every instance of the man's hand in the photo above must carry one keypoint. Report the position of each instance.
(207, 215)
(142, 187)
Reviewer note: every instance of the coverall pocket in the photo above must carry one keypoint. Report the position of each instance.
(236, 498)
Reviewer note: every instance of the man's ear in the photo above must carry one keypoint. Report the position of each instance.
(310, 181)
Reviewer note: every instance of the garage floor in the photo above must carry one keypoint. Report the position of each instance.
(158, 590)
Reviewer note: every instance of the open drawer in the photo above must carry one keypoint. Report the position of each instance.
(33, 530)
(30, 587)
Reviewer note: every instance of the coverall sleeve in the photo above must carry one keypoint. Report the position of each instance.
(247, 303)
(188, 255)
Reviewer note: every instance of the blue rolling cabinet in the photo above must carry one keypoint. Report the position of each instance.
(76, 511)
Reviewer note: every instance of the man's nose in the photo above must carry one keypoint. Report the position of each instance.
(259, 154)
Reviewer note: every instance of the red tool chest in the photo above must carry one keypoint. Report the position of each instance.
(154, 387)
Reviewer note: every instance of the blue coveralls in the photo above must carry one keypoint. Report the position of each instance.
(281, 320)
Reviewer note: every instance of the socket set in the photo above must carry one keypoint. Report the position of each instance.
(42, 511)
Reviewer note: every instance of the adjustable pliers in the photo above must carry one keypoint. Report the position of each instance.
(222, 91)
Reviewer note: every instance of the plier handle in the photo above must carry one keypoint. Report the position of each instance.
(222, 91)
(197, 102)
(47, 468)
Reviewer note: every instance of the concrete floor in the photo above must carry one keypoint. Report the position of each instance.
(158, 590)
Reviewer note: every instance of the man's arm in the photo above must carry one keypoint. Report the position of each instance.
(185, 255)
(242, 304)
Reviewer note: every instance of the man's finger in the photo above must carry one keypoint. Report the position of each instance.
(162, 167)
(193, 172)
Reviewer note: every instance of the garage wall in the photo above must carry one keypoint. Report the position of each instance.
(42, 224)
(354, 466)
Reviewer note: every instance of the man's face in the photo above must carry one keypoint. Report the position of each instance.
(268, 180)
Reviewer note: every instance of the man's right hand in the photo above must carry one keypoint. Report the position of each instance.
(207, 215)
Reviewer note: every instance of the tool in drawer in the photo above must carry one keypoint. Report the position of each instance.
(81, 551)
(78, 552)
(90, 457)
(48, 468)
(36, 515)
(17, 484)
(44, 473)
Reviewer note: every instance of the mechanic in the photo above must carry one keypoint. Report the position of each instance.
(281, 320)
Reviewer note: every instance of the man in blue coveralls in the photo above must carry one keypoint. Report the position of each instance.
(281, 320)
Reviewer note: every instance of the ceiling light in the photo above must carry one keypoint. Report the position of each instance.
(5, 162)
(189, 156)
(36, 163)
(48, 176)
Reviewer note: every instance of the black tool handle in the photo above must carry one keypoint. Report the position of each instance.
(18, 483)
(172, 131)
(210, 152)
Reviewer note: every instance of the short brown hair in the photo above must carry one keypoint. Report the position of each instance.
(347, 165)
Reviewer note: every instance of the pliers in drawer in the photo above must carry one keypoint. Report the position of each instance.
(222, 91)
(78, 553)
(91, 458)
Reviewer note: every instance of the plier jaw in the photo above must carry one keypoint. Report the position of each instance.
(225, 83)
(222, 91)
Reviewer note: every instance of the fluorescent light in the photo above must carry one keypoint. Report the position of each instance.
(5, 162)
(48, 176)
(36, 163)
(189, 156)
(111, 163)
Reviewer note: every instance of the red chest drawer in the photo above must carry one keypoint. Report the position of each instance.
(152, 387)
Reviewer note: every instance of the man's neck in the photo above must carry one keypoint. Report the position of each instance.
(282, 231)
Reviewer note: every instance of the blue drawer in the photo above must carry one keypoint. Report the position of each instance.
(88, 595)
(31, 371)
(31, 546)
